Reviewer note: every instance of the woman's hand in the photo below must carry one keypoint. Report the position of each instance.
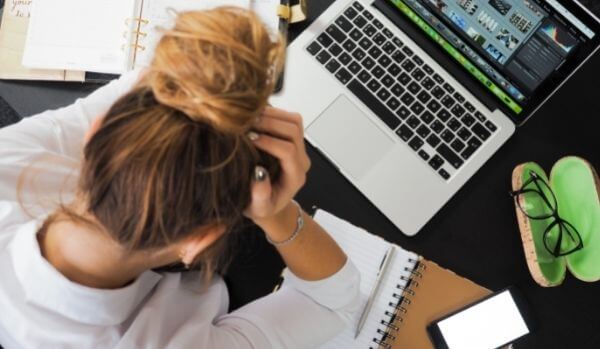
(281, 134)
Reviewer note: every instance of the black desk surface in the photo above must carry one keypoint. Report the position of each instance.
(476, 233)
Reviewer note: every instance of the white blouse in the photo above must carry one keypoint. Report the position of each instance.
(40, 308)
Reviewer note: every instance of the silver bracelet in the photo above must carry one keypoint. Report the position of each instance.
(299, 226)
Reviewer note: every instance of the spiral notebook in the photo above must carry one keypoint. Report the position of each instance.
(105, 36)
(413, 292)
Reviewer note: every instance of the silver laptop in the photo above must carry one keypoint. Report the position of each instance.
(409, 98)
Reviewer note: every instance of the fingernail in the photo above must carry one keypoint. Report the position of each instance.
(260, 174)
(252, 135)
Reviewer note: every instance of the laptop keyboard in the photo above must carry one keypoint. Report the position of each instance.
(415, 102)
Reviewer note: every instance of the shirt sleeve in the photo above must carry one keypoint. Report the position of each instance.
(54, 136)
(302, 314)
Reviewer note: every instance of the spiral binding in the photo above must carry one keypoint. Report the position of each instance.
(398, 307)
(137, 23)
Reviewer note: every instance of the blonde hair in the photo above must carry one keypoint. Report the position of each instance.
(171, 155)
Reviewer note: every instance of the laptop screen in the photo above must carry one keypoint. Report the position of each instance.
(520, 50)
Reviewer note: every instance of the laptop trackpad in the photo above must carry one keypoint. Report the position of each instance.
(347, 135)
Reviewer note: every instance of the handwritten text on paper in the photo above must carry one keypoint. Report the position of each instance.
(19, 8)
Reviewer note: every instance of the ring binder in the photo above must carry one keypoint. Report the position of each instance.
(136, 35)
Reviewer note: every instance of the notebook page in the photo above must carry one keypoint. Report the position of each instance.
(79, 35)
(160, 15)
(366, 252)
(267, 11)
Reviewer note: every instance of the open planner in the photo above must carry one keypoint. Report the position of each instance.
(413, 291)
(108, 36)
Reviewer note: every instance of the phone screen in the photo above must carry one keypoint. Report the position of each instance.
(491, 323)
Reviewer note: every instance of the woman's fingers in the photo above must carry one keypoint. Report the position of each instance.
(261, 202)
(292, 161)
(281, 129)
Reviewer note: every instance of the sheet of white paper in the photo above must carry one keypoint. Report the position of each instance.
(79, 35)
(366, 252)
(267, 11)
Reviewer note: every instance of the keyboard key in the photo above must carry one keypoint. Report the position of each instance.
(349, 45)
(416, 143)
(438, 92)
(344, 24)
(481, 131)
(394, 69)
(388, 33)
(472, 146)
(407, 51)
(324, 40)
(458, 111)
(405, 133)
(343, 76)
(398, 56)
(388, 47)
(379, 39)
(413, 122)
(434, 106)
(350, 12)
(359, 21)
(369, 30)
(383, 94)
(354, 67)
(427, 69)
(313, 48)
(436, 162)
(427, 117)
(397, 90)
(438, 78)
(453, 124)
(449, 155)
(417, 108)
(448, 101)
(457, 145)
(414, 88)
(335, 49)
(464, 134)
(436, 126)
(444, 174)
(407, 99)
(403, 112)
(365, 43)
(375, 105)
(356, 34)
(404, 78)
(480, 116)
(364, 76)
(447, 136)
(397, 42)
(443, 115)
(368, 15)
(323, 56)
(418, 74)
(433, 140)
(393, 103)
(408, 65)
(378, 72)
(490, 125)
(448, 88)
(424, 97)
(336, 33)
(375, 52)
(468, 120)
(459, 97)
(332, 65)
(358, 6)
(423, 154)
(368, 63)
(373, 85)
(469, 107)
(387, 81)
(427, 83)
(384, 61)
(423, 131)
(418, 60)
(358, 54)
(377, 23)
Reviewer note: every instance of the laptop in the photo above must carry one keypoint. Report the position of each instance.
(409, 98)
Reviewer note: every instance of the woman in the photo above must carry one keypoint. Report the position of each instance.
(173, 158)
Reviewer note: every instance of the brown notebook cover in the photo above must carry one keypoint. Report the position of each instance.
(432, 293)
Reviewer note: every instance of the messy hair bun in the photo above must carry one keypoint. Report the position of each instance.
(217, 66)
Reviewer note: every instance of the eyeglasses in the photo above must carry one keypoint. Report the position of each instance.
(560, 237)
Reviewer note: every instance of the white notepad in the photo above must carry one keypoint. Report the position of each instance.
(366, 252)
(107, 36)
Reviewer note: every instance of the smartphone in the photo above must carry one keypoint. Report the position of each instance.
(490, 323)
